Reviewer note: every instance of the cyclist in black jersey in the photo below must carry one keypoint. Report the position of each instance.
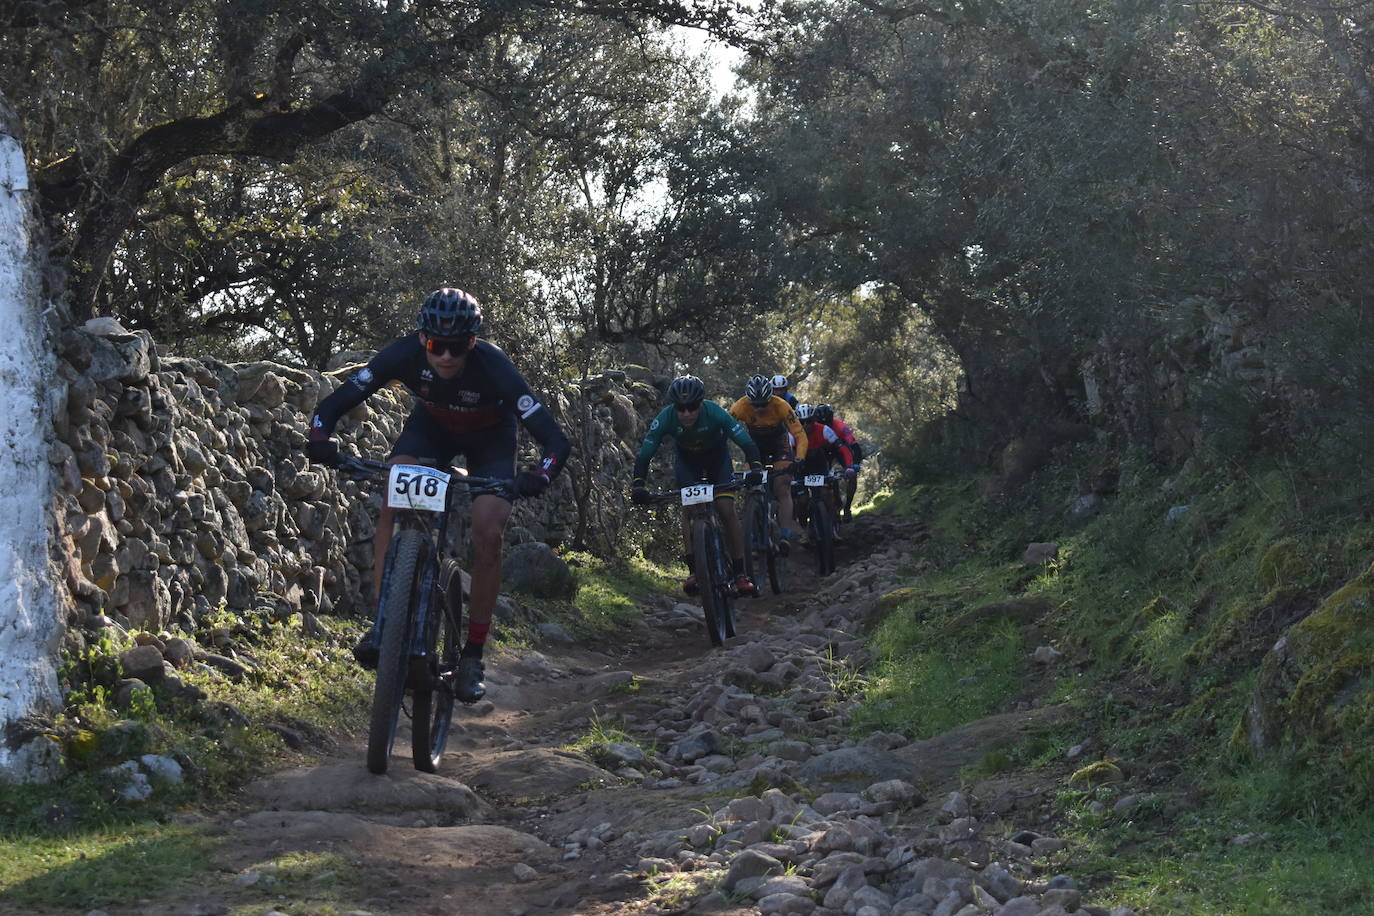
(468, 398)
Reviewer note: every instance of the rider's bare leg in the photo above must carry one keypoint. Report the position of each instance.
(489, 516)
(734, 532)
(782, 490)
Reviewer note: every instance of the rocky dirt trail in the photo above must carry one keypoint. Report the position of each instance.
(752, 797)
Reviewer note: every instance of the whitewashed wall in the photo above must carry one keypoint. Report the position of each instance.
(30, 628)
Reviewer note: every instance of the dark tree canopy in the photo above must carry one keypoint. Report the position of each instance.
(1010, 191)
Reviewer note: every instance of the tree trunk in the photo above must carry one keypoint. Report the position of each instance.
(30, 625)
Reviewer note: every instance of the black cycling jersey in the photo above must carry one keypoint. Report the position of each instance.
(488, 392)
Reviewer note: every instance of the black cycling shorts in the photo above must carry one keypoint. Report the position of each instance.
(775, 448)
(817, 461)
(712, 466)
(486, 452)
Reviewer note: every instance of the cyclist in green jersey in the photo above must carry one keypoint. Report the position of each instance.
(702, 429)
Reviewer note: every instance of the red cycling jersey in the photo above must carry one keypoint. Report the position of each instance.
(822, 440)
(843, 431)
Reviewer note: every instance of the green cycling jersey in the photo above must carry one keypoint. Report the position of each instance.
(711, 430)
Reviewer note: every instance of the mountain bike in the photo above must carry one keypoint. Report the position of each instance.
(710, 565)
(814, 500)
(763, 535)
(421, 610)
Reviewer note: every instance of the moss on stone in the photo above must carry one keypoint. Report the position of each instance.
(1283, 563)
(1315, 683)
(1237, 625)
(1096, 774)
(890, 601)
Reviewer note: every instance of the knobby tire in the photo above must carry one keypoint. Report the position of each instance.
(823, 534)
(409, 549)
(777, 563)
(432, 712)
(706, 565)
(725, 583)
(756, 558)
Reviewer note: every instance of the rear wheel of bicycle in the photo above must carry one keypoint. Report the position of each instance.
(823, 537)
(725, 584)
(408, 555)
(758, 556)
(433, 706)
(777, 563)
(707, 569)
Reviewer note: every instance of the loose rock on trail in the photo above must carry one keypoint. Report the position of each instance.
(741, 790)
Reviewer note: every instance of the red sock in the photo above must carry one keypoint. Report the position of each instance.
(477, 632)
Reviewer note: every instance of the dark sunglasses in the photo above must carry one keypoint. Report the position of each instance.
(440, 345)
(688, 408)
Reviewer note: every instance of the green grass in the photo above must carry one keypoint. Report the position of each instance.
(97, 868)
(1163, 627)
(1295, 869)
(598, 735)
(75, 842)
(609, 591)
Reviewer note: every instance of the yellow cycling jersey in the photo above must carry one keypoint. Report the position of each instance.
(773, 419)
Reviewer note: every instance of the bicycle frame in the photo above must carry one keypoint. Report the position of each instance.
(375, 471)
(711, 565)
(412, 658)
(771, 562)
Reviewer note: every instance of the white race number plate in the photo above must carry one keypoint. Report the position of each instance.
(413, 486)
(815, 480)
(698, 493)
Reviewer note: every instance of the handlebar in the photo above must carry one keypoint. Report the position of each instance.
(674, 497)
(362, 469)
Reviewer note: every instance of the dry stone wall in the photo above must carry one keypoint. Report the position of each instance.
(1148, 388)
(183, 483)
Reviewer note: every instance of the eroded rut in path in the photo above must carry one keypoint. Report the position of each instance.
(750, 783)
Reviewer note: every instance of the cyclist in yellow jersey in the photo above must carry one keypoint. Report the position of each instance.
(769, 419)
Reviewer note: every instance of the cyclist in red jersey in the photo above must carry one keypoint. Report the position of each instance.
(826, 414)
(824, 445)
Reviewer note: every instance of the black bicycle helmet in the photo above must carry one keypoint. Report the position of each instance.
(758, 390)
(824, 414)
(805, 412)
(686, 390)
(449, 312)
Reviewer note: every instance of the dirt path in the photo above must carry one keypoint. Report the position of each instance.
(514, 823)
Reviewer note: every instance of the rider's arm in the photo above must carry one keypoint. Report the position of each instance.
(659, 428)
(359, 386)
(844, 432)
(741, 410)
(834, 441)
(535, 417)
(799, 437)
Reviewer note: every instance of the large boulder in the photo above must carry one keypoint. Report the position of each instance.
(536, 570)
(1314, 684)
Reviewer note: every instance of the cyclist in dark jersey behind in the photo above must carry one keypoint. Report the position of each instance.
(701, 429)
(780, 389)
(469, 396)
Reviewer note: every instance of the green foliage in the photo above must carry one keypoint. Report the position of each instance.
(601, 733)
